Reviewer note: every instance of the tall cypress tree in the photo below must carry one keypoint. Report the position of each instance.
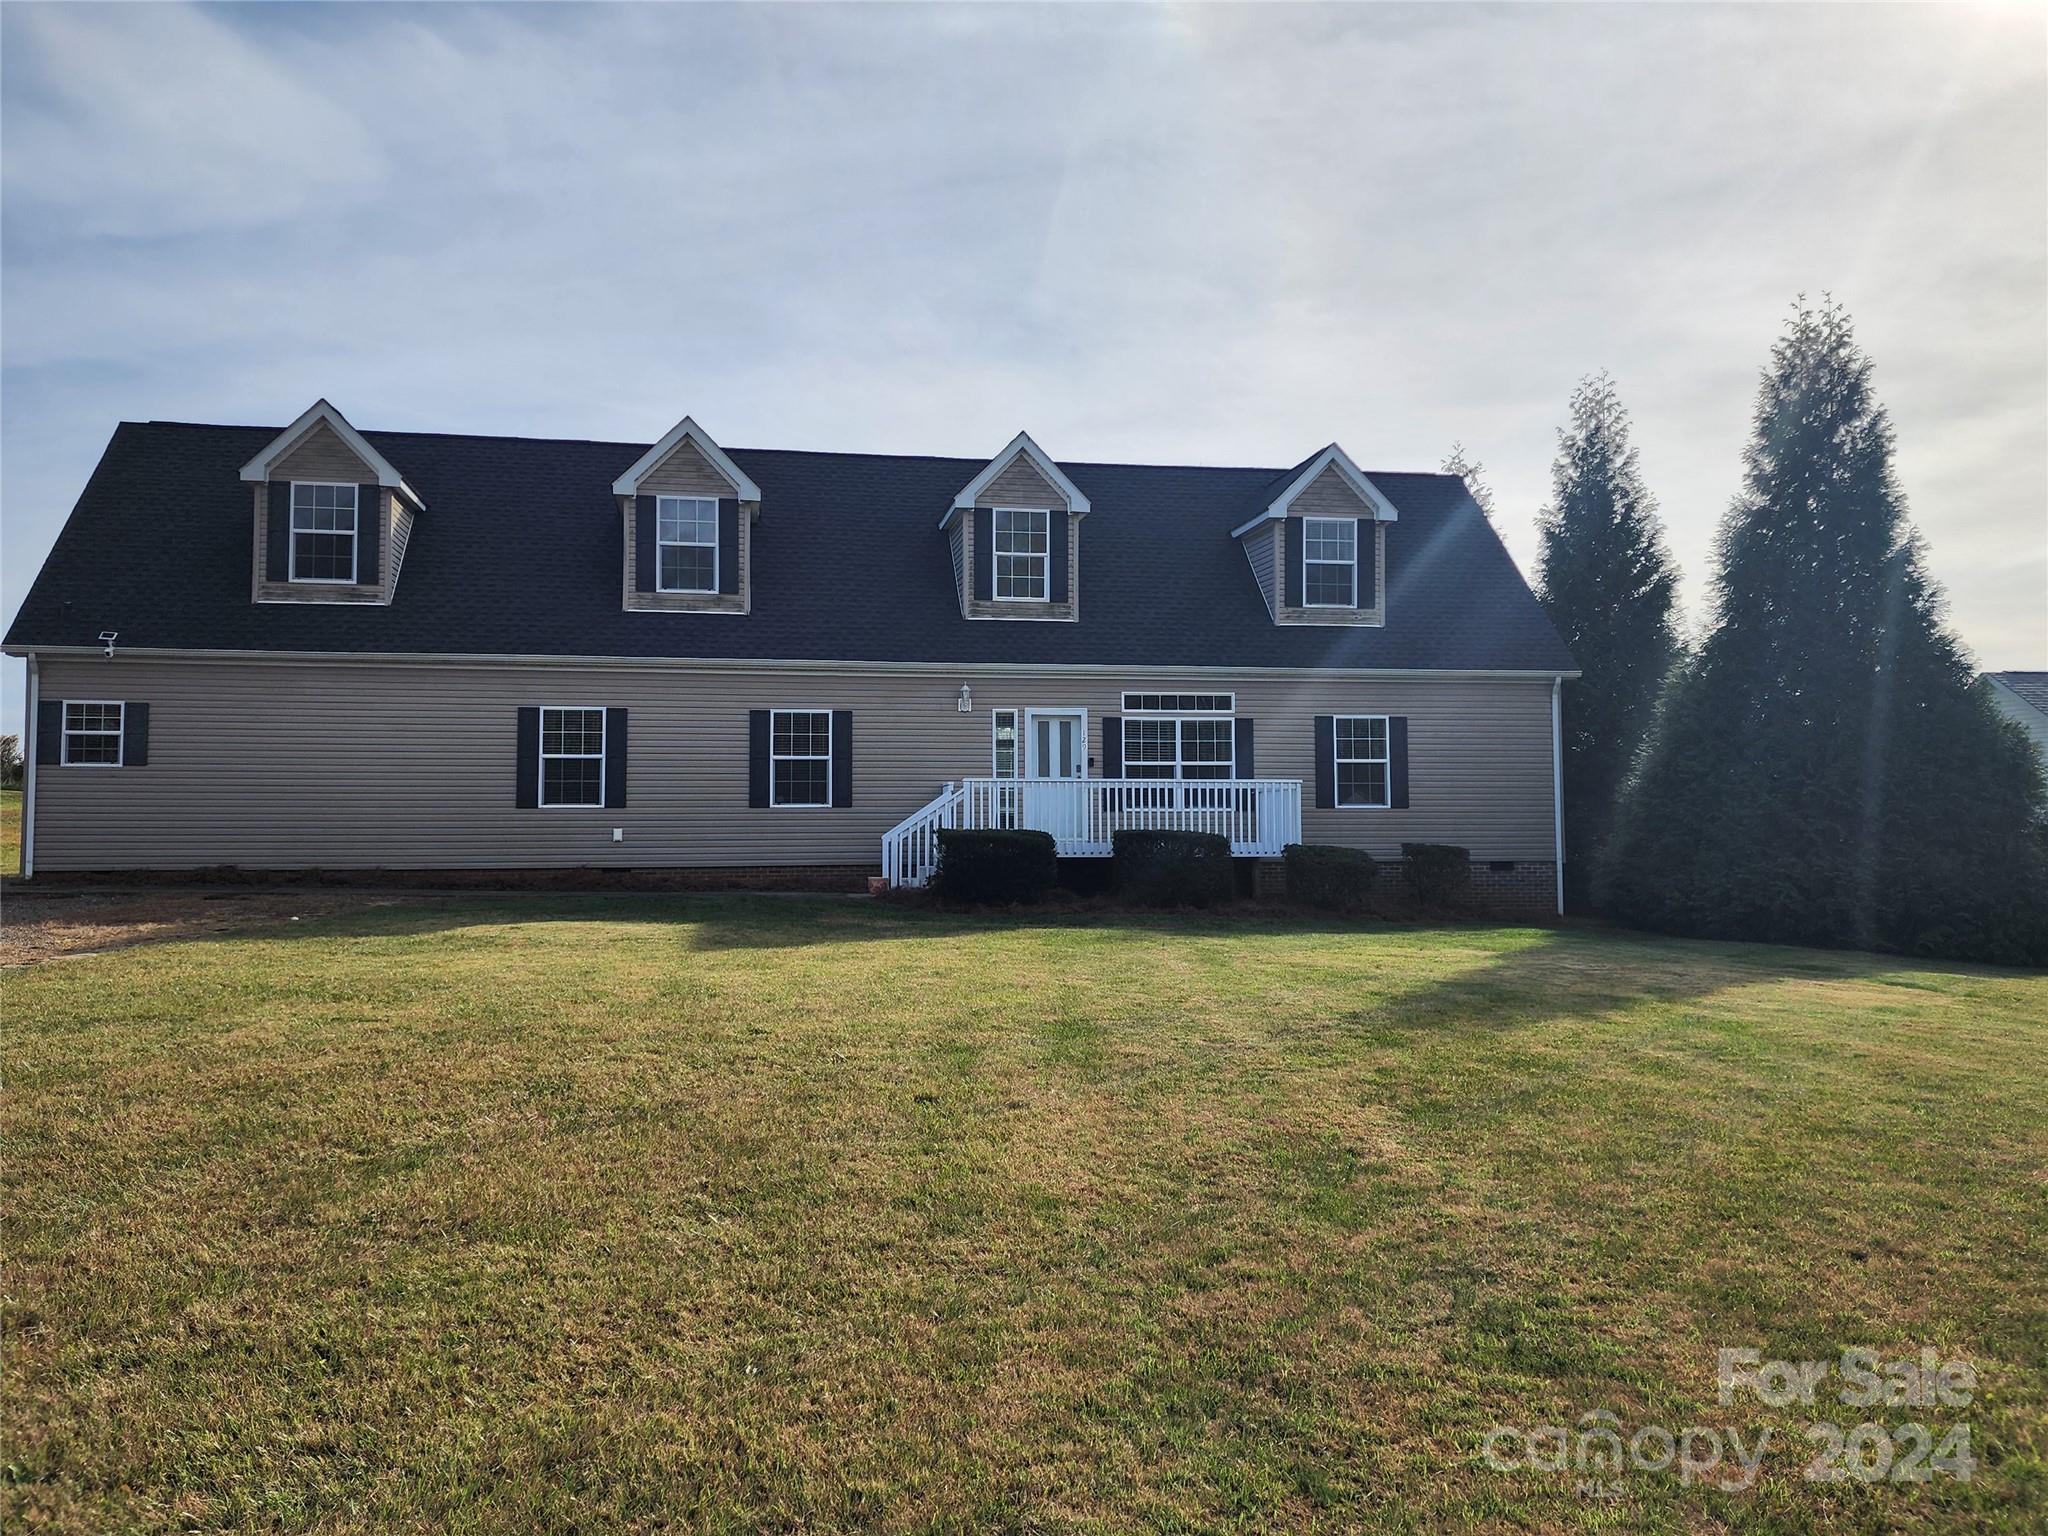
(1826, 770)
(1606, 579)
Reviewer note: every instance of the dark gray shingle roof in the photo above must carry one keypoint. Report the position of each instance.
(518, 553)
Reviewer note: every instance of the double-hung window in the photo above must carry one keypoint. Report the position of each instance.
(1023, 554)
(800, 757)
(1179, 749)
(323, 532)
(687, 540)
(92, 734)
(571, 756)
(1329, 562)
(1362, 761)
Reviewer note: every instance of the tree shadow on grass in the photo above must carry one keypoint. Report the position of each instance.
(1597, 971)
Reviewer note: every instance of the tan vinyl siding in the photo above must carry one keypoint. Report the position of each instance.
(1262, 548)
(1376, 614)
(1020, 485)
(686, 472)
(1329, 495)
(365, 765)
(322, 455)
(988, 608)
(379, 591)
(400, 526)
(688, 602)
(956, 537)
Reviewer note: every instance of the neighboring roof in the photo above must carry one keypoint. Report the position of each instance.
(258, 468)
(520, 555)
(628, 484)
(1277, 497)
(2030, 688)
(1056, 477)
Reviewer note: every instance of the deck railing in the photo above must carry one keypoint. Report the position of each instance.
(1259, 816)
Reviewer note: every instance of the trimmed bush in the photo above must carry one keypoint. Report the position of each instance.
(995, 866)
(1173, 869)
(1440, 874)
(1327, 876)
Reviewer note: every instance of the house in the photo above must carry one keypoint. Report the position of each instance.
(325, 648)
(2023, 696)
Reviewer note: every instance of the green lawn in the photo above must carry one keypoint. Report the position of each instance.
(10, 831)
(604, 1214)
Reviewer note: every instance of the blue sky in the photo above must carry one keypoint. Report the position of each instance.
(1214, 234)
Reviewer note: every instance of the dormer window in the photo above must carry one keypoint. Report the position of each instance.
(323, 532)
(1023, 544)
(688, 543)
(1329, 553)
(333, 517)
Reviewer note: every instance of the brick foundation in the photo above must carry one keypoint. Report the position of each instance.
(751, 877)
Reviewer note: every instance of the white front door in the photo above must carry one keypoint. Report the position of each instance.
(1056, 764)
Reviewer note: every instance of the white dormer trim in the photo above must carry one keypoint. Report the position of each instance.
(257, 469)
(628, 484)
(1021, 443)
(1382, 509)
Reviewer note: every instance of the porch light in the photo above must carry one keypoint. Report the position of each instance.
(966, 700)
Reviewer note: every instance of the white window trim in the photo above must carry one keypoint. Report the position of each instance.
(1227, 711)
(1026, 734)
(1356, 536)
(995, 723)
(1178, 720)
(292, 532)
(540, 795)
(831, 730)
(660, 544)
(996, 555)
(1337, 801)
(119, 733)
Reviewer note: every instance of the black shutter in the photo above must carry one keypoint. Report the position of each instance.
(757, 757)
(984, 554)
(644, 556)
(1112, 747)
(369, 535)
(1060, 522)
(1397, 762)
(842, 757)
(49, 732)
(728, 544)
(1368, 562)
(526, 772)
(614, 758)
(1244, 768)
(277, 556)
(134, 735)
(1326, 762)
(1291, 579)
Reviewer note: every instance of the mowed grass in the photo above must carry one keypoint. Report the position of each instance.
(637, 1214)
(10, 831)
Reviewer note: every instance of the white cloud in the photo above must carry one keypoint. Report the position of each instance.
(1208, 233)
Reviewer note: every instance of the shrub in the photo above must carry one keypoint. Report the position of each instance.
(1325, 875)
(1173, 869)
(995, 866)
(1440, 874)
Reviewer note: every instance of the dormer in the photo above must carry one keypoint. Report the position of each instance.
(333, 516)
(1015, 533)
(689, 513)
(1317, 543)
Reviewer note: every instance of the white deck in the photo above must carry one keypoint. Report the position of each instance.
(1259, 816)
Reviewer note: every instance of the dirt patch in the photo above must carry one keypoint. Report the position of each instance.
(48, 925)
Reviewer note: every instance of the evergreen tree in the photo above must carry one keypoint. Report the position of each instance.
(1826, 770)
(1473, 473)
(1606, 579)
